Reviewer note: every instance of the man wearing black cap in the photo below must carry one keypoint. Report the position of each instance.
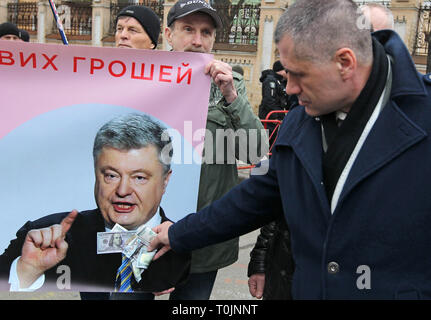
(137, 27)
(192, 27)
(25, 36)
(9, 31)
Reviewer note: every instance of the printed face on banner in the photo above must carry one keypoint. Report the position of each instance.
(129, 185)
(59, 97)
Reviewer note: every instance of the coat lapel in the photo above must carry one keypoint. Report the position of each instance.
(392, 134)
(306, 142)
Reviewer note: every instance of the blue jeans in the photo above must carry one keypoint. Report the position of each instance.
(197, 287)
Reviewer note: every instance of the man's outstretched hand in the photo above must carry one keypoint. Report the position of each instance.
(43, 249)
(161, 240)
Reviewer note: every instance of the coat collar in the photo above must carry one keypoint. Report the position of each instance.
(403, 66)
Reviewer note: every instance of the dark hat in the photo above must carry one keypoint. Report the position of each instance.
(185, 7)
(24, 35)
(146, 17)
(277, 66)
(9, 28)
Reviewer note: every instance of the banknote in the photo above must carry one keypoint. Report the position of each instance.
(118, 228)
(136, 271)
(141, 238)
(112, 242)
(144, 258)
(132, 246)
(146, 234)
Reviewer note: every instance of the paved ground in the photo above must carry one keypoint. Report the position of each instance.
(231, 282)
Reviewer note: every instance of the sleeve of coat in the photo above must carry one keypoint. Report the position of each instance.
(243, 209)
(13, 250)
(258, 254)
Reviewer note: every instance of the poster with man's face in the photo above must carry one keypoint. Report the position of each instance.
(55, 99)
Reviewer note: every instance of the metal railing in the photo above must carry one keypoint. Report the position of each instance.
(240, 24)
(240, 21)
(423, 29)
(23, 15)
(76, 17)
(386, 3)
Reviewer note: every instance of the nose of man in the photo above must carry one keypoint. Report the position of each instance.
(124, 189)
(197, 39)
(292, 88)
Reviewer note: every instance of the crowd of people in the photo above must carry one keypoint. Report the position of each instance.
(344, 179)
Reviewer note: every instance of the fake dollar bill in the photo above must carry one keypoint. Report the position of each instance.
(141, 238)
(112, 242)
(144, 258)
(134, 246)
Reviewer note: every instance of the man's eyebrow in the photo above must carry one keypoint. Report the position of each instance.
(147, 172)
(107, 168)
(293, 72)
(142, 171)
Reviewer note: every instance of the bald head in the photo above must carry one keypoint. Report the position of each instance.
(379, 16)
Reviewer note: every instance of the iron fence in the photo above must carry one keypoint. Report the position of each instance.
(240, 24)
(23, 15)
(423, 29)
(76, 17)
(386, 3)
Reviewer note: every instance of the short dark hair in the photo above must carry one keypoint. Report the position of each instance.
(319, 28)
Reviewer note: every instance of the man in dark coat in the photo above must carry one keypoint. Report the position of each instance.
(132, 173)
(350, 171)
(271, 265)
(274, 97)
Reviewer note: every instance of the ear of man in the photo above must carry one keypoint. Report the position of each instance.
(346, 62)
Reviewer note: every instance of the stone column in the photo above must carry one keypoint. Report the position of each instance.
(270, 12)
(406, 19)
(167, 6)
(3, 10)
(101, 18)
(45, 20)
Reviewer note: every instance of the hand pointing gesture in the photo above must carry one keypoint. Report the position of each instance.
(43, 249)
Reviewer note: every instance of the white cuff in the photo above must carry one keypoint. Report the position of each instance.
(14, 280)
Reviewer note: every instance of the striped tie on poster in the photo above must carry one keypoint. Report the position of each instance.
(123, 280)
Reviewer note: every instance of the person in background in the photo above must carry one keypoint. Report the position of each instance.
(191, 27)
(25, 36)
(238, 69)
(137, 27)
(379, 16)
(271, 265)
(274, 97)
(9, 31)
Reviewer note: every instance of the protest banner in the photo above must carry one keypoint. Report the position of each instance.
(55, 98)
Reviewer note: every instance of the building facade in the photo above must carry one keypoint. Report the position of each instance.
(246, 39)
